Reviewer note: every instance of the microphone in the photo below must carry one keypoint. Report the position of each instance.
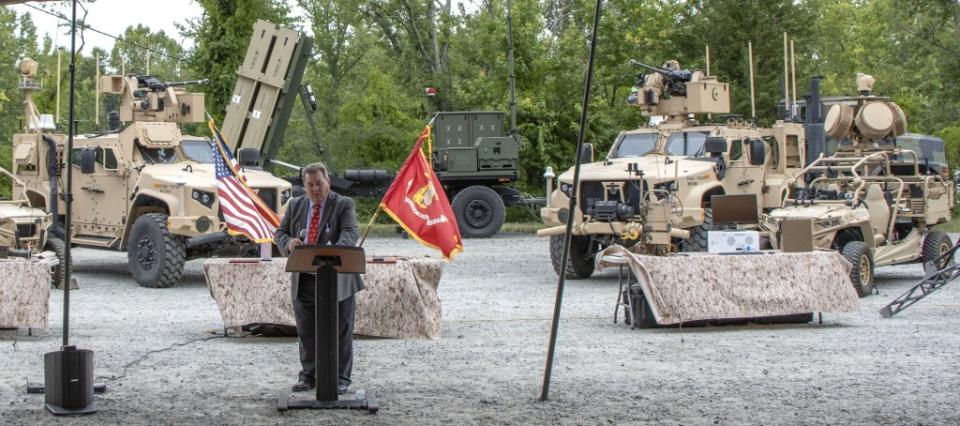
(303, 235)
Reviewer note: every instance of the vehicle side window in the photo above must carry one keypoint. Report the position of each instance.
(106, 158)
(736, 149)
(774, 152)
(75, 156)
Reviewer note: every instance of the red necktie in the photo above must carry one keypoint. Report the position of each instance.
(314, 230)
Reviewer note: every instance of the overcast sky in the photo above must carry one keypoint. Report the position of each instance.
(113, 17)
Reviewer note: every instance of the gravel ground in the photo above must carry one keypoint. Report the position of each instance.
(497, 304)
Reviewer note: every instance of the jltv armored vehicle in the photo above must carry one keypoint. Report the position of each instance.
(873, 200)
(653, 190)
(145, 188)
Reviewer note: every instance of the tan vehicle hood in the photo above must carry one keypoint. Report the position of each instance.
(202, 176)
(653, 167)
(14, 210)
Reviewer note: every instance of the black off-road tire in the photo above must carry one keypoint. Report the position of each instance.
(154, 256)
(580, 261)
(698, 234)
(59, 247)
(479, 210)
(935, 244)
(861, 274)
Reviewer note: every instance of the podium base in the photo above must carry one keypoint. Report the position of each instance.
(361, 400)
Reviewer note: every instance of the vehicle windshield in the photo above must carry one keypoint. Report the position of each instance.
(636, 144)
(686, 143)
(198, 150)
(158, 155)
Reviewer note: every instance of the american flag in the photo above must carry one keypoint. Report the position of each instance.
(243, 210)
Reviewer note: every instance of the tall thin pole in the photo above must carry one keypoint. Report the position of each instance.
(69, 194)
(96, 92)
(56, 109)
(513, 76)
(545, 390)
(707, 47)
(793, 78)
(753, 102)
(786, 73)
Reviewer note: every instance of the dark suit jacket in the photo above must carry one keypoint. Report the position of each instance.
(338, 226)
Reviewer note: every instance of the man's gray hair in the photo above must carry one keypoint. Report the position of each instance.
(316, 167)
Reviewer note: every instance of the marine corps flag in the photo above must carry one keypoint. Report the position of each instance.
(417, 202)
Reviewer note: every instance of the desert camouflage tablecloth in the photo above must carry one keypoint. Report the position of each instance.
(400, 299)
(705, 286)
(24, 293)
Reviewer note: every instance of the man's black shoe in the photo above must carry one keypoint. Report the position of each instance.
(302, 386)
(342, 389)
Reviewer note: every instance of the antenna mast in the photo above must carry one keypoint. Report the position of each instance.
(513, 77)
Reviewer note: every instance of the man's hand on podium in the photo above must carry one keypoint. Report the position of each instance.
(293, 244)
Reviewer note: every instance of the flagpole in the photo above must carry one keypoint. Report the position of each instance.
(369, 225)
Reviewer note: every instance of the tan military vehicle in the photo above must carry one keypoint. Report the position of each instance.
(871, 200)
(653, 190)
(145, 188)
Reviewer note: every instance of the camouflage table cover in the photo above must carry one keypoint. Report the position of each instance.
(400, 299)
(705, 286)
(24, 293)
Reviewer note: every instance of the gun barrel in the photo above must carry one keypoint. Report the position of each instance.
(186, 82)
(649, 67)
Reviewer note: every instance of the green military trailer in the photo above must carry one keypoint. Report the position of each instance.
(477, 165)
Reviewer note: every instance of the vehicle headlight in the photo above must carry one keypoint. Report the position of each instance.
(566, 188)
(203, 197)
(285, 196)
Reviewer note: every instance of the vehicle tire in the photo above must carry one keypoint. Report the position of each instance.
(698, 234)
(154, 256)
(58, 278)
(479, 211)
(935, 244)
(580, 261)
(861, 275)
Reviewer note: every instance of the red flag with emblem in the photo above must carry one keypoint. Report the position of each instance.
(417, 202)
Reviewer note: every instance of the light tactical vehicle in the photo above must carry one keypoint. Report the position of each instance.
(145, 188)
(873, 200)
(653, 190)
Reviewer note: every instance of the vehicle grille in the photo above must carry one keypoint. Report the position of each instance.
(590, 193)
(26, 230)
(269, 196)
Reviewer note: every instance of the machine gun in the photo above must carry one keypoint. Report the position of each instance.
(146, 98)
(674, 81)
(152, 84)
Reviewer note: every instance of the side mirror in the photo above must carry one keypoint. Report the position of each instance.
(586, 153)
(249, 157)
(757, 152)
(88, 161)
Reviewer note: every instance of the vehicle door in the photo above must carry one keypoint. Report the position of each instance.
(100, 204)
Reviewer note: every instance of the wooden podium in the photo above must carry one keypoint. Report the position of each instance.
(326, 261)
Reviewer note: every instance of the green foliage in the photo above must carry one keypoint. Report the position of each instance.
(373, 59)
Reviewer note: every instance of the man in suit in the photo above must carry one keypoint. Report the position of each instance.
(320, 217)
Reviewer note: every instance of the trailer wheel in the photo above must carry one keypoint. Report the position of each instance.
(154, 256)
(479, 211)
(60, 249)
(861, 275)
(698, 234)
(580, 261)
(935, 244)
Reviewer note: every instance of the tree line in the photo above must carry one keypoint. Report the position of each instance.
(373, 60)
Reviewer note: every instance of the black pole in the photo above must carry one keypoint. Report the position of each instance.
(69, 188)
(545, 390)
(513, 76)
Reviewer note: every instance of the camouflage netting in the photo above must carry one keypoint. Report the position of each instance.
(400, 299)
(24, 293)
(704, 286)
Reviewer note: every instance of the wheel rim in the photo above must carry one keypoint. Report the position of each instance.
(478, 213)
(146, 253)
(864, 271)
(944, 247)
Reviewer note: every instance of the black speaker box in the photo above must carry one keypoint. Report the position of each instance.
(68, 381)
